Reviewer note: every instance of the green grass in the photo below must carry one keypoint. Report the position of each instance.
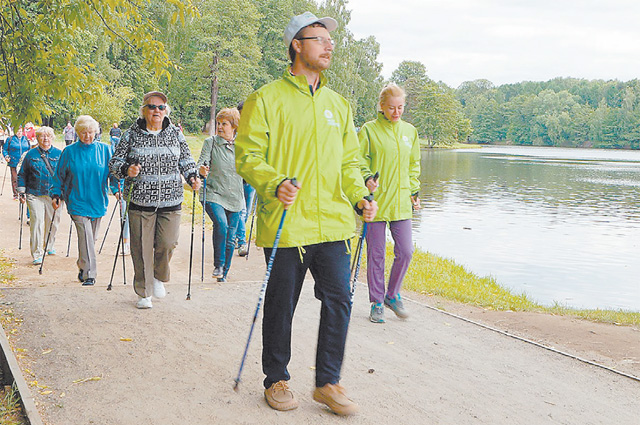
(10, 409)
(432, 275)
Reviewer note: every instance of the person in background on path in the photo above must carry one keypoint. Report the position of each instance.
(115, 134)
(3, 137)
(30, 133)
(224, 199)
(69, 134)
(249, 194)
(35, 183)
(297, 127)
(16, 146)
(391, 147)
(153, 154)
(82, 181)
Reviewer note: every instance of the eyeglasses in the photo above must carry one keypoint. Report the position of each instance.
(322, 40)
(153, 107)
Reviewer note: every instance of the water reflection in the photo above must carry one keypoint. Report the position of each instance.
(559, 224)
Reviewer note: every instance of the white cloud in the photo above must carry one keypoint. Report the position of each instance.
(505, 41)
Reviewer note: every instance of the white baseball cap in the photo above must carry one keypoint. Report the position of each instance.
(307, 18)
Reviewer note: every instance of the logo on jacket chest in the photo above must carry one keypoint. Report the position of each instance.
(330, 120)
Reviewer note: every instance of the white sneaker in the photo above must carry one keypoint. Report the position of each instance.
(144, 302)
(158, 289)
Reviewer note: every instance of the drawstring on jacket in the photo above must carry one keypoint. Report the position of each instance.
(301, 252)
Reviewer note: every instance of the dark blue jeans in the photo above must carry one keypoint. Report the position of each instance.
(225, 224)
(249, 193)
(329, 266)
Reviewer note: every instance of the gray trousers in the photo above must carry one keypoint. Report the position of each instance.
(87, 229)
(41, 214)
(154, 236)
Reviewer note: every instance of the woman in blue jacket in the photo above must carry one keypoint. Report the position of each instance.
(13, 149)
(82, 181)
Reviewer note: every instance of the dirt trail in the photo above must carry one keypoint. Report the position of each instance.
(175, 363)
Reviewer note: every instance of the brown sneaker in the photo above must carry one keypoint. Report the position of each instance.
(333, 395)
(280, 397)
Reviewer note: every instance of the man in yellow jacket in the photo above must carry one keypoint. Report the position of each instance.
(296, 127)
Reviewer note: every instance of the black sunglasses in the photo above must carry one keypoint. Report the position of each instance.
(153, 107)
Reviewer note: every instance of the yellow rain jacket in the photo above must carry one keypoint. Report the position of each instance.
(393, 150)
(287, 132)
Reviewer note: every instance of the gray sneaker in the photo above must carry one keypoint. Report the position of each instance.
(243, 250)
(396, 305)
(377, 313)
(217, 272)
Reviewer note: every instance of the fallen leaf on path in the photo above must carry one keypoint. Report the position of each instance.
(93, 378)
(46, 392)
(47, 351)
(36, 384)
(390, 342)
(126, 339)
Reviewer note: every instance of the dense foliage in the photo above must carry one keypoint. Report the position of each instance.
(62, 58)
(560, 112)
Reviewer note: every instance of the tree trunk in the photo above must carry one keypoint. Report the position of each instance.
(214, 95)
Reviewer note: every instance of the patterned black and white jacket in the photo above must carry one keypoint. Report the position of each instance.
(163, 158)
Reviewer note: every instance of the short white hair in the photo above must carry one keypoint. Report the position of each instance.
(45, 130)
(86, 122)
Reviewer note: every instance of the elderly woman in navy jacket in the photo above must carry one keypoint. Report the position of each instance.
(35, 183)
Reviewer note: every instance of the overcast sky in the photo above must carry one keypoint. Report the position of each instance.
(505, 41)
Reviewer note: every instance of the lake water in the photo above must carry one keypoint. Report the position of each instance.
(558, 224)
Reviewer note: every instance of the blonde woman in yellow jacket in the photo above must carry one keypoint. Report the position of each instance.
(391, 147)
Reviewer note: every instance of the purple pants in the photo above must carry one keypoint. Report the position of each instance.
(376, 247)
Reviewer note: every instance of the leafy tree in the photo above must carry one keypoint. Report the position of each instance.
(39, 61)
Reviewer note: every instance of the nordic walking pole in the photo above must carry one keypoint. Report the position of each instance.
(44, 255)
(109, 225)
(123, 223)
(263, 289)
(4, 178)
(355, 269)
(115, 260)
(69, 242)
(204, 200)
(193, 222)
(21, 216)
(254, 207)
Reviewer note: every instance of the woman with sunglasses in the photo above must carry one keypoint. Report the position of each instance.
(153, 155)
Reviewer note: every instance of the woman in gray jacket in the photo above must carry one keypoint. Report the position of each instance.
(225, 194)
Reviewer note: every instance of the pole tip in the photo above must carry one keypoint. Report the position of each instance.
(236, 386)
(109, 287)
(188, 297)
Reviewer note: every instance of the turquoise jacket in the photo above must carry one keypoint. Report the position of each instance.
(285, 132)
(82, 179)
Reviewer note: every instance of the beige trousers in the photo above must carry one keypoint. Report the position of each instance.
(154, 236)
(41, 212)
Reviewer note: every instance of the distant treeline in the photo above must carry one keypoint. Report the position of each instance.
(560, 112)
